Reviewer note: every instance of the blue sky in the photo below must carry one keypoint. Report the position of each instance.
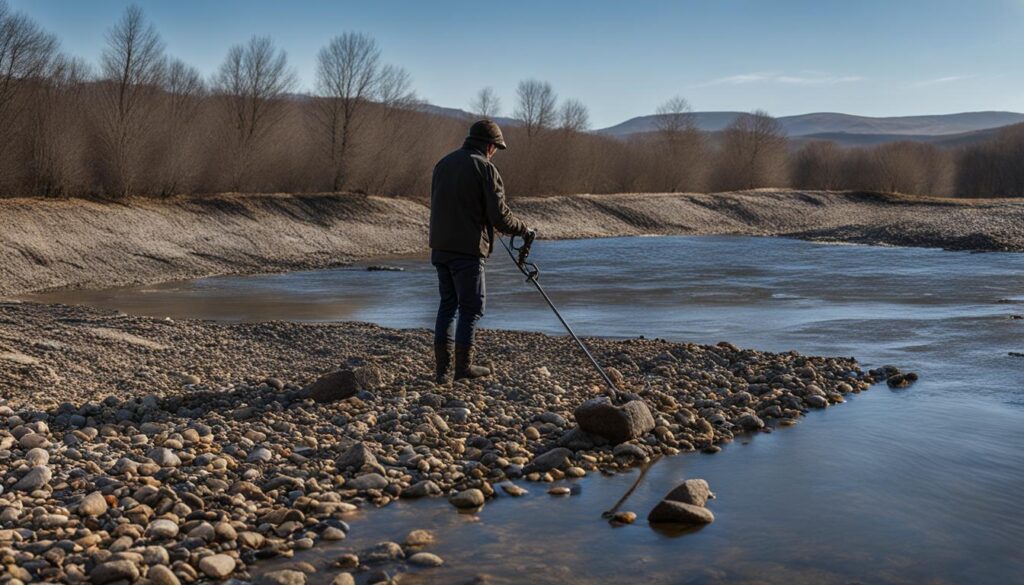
(870, 57)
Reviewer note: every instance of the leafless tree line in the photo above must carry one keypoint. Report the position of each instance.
(143, 123)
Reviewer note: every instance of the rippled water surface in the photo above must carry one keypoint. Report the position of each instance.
(915, 486)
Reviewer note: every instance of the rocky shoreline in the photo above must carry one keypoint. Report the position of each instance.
(143, 241)
(147, 450)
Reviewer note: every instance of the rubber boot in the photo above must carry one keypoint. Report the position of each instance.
(464, 367)
(443, 360)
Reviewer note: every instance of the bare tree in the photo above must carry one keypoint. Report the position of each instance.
(753, 153)
(132, 69)
(486, 104)
(536, 107)
(55, 141)
(675, 117)
(993, 168)
(682, 145)
(26, 52)
(184, 90)
(349, 77)
(573, 116)
(817, 165)
(253, 80)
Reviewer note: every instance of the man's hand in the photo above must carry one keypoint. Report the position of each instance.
(531, 234)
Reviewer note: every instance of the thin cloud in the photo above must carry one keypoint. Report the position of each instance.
(803, 79)
(942, 80)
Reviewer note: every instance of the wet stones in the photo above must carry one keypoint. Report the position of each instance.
(669, 512)
(468, 499)
(383, 552)
(695, 492)
(684, 505)
(750, 422)
(255, 470)
(617, 424)
(421, 489)
(513, 490)
(816, 401)
(425, 559)
(419, 538)
(622, 518)
(901, 380)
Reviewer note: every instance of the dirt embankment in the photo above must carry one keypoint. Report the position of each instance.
(48, 244)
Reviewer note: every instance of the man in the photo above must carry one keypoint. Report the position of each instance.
(467, 203)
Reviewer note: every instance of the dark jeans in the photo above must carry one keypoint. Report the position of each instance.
(460, 280)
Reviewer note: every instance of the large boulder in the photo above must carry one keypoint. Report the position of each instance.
(695, 492)
(617, 424)
(346, 382)
(668, 511)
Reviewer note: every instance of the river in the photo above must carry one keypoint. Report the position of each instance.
(897, 486)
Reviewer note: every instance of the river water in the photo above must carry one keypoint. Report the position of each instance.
(924, 485)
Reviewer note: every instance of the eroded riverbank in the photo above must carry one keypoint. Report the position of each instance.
(51, 244)
(193, 439)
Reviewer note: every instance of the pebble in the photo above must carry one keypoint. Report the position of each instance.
(560, 491)
(162, 575)
(36, 478)
(217, 566)
(260, 455)
(513, 490)
(425, 559)
(111, 571)
(419, 538)
(93, 505)
(332, 533)
(623, 518)
(344, 579)
(164, 457)
(347, 561)
(471, 498)
(37, 457)
(162, 529)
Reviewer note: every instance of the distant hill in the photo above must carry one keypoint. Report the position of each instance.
(823, 124)
(849, 139)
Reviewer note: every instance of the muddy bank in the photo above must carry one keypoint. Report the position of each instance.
(74, 243)
(131, 443)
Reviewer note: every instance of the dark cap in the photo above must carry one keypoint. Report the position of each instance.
(487, 131)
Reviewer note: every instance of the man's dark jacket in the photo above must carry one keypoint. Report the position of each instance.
(467, 203)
